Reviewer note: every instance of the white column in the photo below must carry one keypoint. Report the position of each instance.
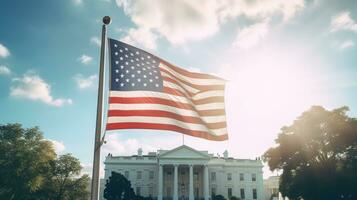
(159, 192)
(175, 197)
(191, 196)
(205, 183)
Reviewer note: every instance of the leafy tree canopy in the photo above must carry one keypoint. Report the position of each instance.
(24, 159)
(30, 169)
(317, 155)
(63, 181)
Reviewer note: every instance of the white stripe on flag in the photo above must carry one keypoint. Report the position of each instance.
(195, 81)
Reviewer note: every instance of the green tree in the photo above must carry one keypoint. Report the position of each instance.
(118, 188)
(317, 155)
(63, 181)
(24, 160)
(29, 168)
(234, 198)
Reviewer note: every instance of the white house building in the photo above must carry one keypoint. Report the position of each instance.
(184, 173)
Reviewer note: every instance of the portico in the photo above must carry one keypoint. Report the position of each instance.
(183, 174)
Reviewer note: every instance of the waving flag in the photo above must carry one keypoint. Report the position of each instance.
(147, 92)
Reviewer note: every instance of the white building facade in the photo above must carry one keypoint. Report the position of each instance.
(184, 173)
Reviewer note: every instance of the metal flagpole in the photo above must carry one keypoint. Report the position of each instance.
(98, 128)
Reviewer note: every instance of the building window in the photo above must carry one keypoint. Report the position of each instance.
(229, 176)
(213, 176)
(242, 193)
(196, 192)
(213, 192)
(138, 175)
(254, 177)
(241, 177)
(151, 191)
(195, 176)
(169, 173)
(151, 174)
(138, 191)
(229, 193)
(254, 193)
(126, 174)
(168, 192)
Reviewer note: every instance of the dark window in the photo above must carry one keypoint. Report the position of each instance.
(213, 192)
(213, 176)
(138, 191)
(195, 176)
(229, 176)
(151, 191)
(242, 194)
(151, 174)
(168, 191)
(196, 192)
(254, 177)
(241, 177)
(254, 193)
(229, 192)
(138, 175)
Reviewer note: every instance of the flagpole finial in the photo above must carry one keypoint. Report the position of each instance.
(107, 20)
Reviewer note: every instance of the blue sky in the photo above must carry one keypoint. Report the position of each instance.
(280, 57)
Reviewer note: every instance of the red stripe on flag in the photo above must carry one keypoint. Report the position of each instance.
(160, 113)
(150, 100)
(169, 127)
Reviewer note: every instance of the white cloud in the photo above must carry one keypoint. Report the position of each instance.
(260, 9)
(343, 21)
(87, 169)
(4, 70)
(4, 52)
(141, 36)
(180, 21)
(33, 87)
(85, 59)
(95, 40)
(177, 21)
(85, 82)
(346, 44)
(58, 146)
(250, 36)
(116, 145)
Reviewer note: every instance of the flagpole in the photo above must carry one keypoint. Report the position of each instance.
(98, 128)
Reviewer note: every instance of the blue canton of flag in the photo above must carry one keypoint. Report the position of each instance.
(133, 69)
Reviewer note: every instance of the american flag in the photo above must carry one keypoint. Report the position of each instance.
(147, 92)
